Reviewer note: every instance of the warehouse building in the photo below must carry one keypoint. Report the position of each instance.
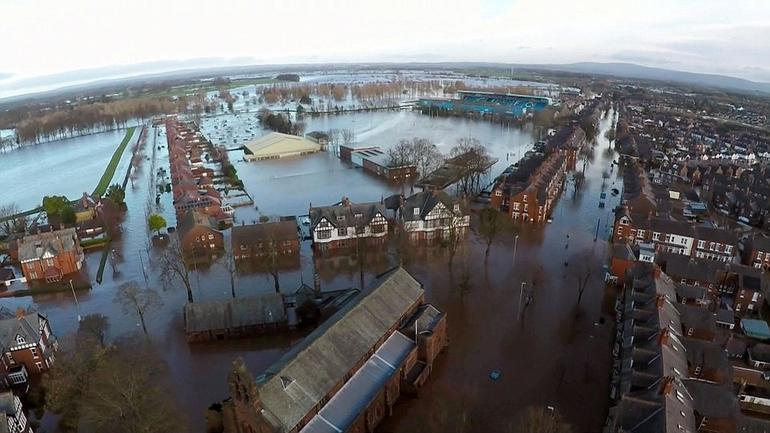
(276, 145)
(348, 373)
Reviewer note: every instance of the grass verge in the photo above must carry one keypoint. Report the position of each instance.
(109, 172)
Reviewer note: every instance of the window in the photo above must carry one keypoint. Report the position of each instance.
(49, 262)
(516, 206)
(342, 231)
(33, 351)
(416, 211)
(680, 396)
(20, 339)
(701, 244)
(378, 228)
(211, 237)
(39, 366)
(324, 234)
(360, 230)
(244, 247)
(525, 198)
(457, 208)
(359, 215)
(341, 218)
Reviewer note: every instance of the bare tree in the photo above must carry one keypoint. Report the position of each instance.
(174, 266)
(134, 299)
(471, 160)
(348, 137)
(94, 325)
(128, 392)
(492, 222)
(8, 225)
(454, 222)
(581, 271)
(541, 420)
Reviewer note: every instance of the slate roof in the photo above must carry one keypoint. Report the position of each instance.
(713, 400)
(346, 214)
(11, 326)
(357, 393)
(761, 243)
(253, 233)
(232, 313)
(293, 386)
(54, 242)
(192, 219)
(760, 352)
(425, 201)
(714, 234)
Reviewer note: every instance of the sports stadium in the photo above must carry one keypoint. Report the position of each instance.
(506, 104)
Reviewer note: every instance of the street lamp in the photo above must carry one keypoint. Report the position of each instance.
(521, 297)
(76, 301)
(515, 244)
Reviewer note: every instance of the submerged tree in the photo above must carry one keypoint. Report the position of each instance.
(492, 223)
(136, 300)
(156, 222)
(174, 265)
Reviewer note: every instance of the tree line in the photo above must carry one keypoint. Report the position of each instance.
(48, 124)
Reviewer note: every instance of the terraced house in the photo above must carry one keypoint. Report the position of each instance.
(528, 190)
(341, 225)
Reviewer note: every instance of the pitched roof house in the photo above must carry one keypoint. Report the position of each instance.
(27, 344)
(50, 255)
(338, 225)
(429, 214)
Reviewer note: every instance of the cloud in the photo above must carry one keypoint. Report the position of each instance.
(695, 35)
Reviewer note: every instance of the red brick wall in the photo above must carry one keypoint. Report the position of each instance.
(66, 261)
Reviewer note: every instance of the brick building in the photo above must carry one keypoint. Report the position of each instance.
(347, 374)
(432, 215)
(257, 240)
(27, 345)
(50, 255)
(198, 235)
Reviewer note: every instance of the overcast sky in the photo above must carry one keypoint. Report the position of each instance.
(44, 37)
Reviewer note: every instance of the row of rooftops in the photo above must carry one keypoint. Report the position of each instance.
(665, 381)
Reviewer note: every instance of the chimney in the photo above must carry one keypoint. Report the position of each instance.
(663, 338)
(659, 301)
(345, 202)
(20, 313)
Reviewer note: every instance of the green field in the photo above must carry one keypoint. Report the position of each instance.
(109, 172)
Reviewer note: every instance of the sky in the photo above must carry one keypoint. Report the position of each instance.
(61, 42)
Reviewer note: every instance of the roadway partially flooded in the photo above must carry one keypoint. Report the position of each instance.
(554, 354)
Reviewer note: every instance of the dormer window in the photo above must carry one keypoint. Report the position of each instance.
(416, 211)
(341, 218)
(20, 339)
(457, 208)
(359, 215)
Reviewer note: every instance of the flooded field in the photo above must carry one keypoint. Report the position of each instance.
(286, 187)
(65, 167)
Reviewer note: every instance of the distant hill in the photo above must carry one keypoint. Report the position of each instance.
(630, 70)
(18, 91)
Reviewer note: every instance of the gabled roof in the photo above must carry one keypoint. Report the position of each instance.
(11, 325)
(261, 309)
(341, 215)
(46, 244)
(252, 233)
(292, 387)
(193, 219)
(425, 201)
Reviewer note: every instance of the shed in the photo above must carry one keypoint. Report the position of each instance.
(756, 329)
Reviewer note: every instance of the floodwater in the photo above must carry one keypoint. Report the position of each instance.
(553, 352)
(64, 167)
(287, 187)
(552, 356)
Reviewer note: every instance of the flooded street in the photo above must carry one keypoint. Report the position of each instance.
(543, 358)
(556, 355)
